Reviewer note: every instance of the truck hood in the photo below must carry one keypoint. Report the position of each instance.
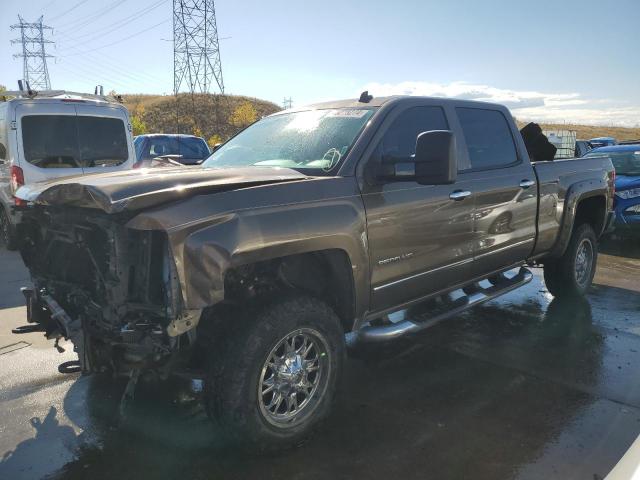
(139, 189)
(624, 182)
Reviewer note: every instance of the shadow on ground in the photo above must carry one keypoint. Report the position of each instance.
(471, 398)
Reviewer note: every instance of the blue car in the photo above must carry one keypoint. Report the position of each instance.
(626, 161)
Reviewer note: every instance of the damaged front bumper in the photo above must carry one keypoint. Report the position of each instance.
(112, 291)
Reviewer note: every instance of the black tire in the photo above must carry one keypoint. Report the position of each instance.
(562, 276)
(240, 361)
(7, 232)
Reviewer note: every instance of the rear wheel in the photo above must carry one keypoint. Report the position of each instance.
(7, 234)
(572, 274)
(274, 377)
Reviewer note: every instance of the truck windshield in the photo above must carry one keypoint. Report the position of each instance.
(625, 163)
(313, 141)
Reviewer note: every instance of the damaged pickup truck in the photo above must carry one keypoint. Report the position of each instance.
(351, 221)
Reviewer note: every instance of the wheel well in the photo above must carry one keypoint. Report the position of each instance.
(591, 211)
(325, 274)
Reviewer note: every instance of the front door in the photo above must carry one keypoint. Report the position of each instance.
(420, 239)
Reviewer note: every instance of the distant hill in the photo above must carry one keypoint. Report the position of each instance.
(585, 132)
(216, 117)
(213, 117)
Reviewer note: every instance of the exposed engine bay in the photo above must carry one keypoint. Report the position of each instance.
(111, 290)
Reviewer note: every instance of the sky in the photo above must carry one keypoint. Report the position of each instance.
(562, 61)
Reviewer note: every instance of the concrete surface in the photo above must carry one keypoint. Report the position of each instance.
(524, 387)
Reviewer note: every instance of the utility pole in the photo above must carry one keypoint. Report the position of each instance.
(287, 103)
(34, 55)
(196, 53)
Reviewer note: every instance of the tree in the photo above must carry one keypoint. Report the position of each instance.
(244, 115)
(214, 139)
(138, 126)
(197, 131)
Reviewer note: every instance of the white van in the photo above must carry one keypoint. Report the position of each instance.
(45, 135)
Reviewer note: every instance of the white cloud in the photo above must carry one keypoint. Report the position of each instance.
(525, 105)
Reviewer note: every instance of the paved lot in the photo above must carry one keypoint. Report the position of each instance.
(524, 387)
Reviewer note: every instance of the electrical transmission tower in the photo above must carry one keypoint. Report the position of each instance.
(196, 53)
(33, 54)
(287, 103)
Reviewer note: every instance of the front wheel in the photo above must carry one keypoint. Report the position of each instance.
(572, 274)
(274, 376)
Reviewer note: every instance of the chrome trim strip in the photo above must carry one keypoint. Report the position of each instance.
(456, 264)
(502, 249)
(395, 282)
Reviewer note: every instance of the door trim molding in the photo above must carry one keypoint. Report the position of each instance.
(411, 277)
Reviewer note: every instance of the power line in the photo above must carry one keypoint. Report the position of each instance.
(81, 22)
(80, 3)
(117, 41)
(34, 55)
(117, 25)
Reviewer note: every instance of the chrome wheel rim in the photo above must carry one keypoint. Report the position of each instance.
(294, 378)
(583, 263)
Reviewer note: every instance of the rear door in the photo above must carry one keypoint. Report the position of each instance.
(504, 189)
(104, 139)
(47, 139)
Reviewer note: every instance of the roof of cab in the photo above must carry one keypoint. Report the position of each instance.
(376, 102)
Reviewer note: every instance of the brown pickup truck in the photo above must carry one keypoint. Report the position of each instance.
(310, 229)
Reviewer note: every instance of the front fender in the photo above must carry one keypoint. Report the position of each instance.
(206, 241)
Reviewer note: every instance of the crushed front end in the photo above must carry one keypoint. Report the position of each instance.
(111, 290)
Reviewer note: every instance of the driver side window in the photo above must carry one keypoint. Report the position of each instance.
(399, 141)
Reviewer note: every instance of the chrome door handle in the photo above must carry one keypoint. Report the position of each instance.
(527, 183)
(459, 195)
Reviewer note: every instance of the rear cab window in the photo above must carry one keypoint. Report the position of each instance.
(69, 141)
(488, 138)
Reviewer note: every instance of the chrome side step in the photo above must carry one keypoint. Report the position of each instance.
(397, 324)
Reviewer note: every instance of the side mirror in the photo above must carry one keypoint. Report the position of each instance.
(434, 163)
(215, 147)
(436, 159)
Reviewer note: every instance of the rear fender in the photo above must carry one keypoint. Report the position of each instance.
(577, 193)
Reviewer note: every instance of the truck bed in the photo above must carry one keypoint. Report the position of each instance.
(561, 183)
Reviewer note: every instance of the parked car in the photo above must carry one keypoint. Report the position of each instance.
(582, 148)
(626, 161)
(183, 149)
(57, 134)
(309, 228)
(602, 142)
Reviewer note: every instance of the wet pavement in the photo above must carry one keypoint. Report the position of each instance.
(524, 387)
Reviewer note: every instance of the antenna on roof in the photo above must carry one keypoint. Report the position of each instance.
(365, 97)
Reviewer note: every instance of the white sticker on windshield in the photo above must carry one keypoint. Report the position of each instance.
(348, 113)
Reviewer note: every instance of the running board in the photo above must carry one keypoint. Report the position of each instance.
(472, 295)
